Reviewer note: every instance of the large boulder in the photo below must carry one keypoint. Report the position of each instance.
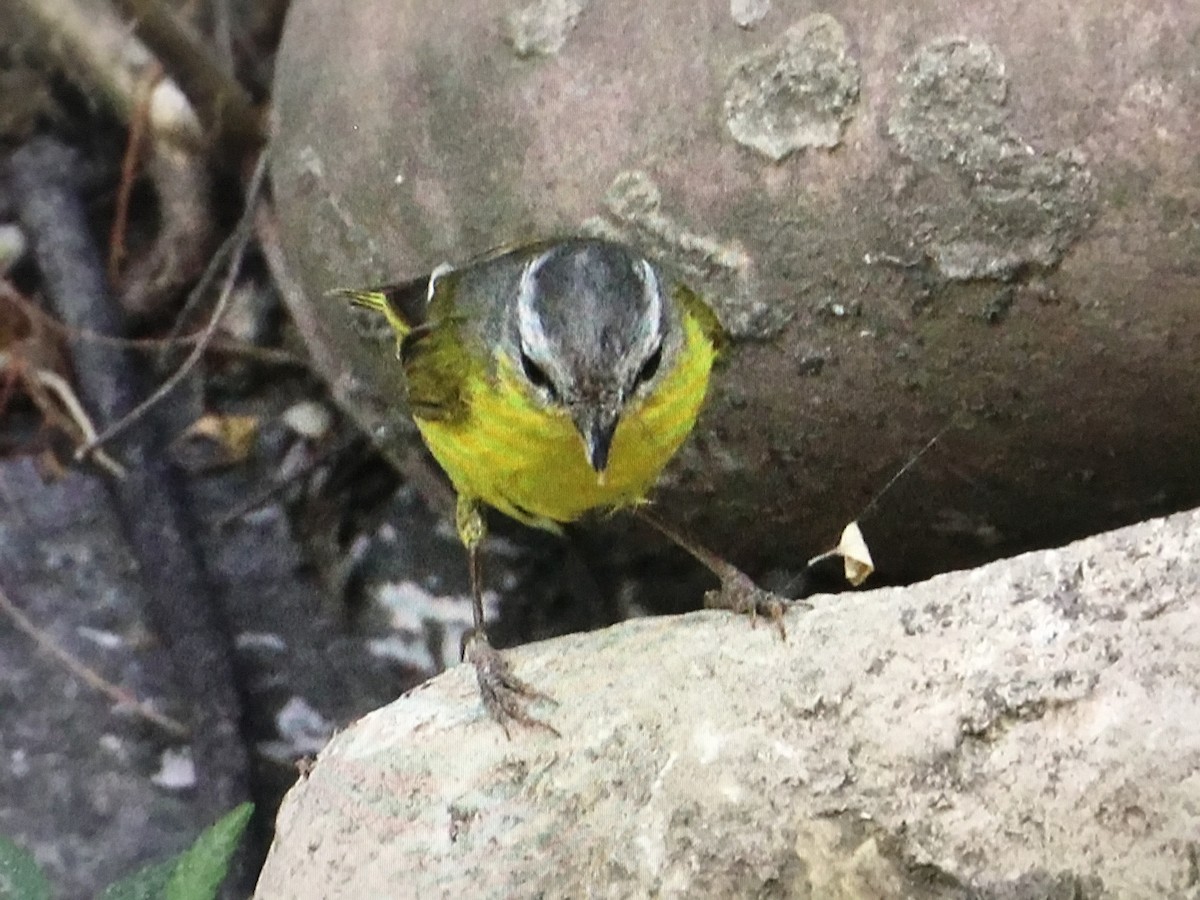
(969, 217)
(1028, 731)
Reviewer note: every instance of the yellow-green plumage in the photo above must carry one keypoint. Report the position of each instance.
(529, 462)
(501, 445)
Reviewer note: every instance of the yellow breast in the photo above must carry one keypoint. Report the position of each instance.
(528, 462)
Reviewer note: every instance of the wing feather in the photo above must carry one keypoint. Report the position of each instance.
(437, 367)
(401, 303)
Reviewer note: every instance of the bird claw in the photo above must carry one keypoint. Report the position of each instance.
(741, 595)
(504, 695)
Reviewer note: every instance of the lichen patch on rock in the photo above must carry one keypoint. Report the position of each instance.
(748, 13)
(1003, 205)
(541, 28)
(796, 94)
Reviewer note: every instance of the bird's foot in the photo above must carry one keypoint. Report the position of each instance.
(505, 696)
(739, 594)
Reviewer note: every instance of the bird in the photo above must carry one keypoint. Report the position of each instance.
(550, 379)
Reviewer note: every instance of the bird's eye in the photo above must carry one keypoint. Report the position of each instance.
(537, 375)
(649, 367)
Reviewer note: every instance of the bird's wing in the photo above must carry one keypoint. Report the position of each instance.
(402, 303)
(438, 363)
(406, 304)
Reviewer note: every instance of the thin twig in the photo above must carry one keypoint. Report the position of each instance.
(207, 277)
(239, 239)
(62, 390)
(88, 675)
(58, 386)
(227, 346)
(133, 151)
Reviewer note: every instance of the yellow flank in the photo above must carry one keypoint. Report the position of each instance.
(528, 462)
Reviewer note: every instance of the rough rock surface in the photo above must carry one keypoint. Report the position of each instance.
(1030, 729)
(975, 218)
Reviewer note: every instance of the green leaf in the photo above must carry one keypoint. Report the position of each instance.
(200, 870)
(20, 877)
(149, 883)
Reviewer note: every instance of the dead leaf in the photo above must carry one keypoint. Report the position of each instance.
(215, 441)
(856, 557)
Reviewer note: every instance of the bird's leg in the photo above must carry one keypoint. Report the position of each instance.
(738, 592)
(505, 696)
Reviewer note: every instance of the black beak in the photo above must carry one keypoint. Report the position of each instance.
(597, 428)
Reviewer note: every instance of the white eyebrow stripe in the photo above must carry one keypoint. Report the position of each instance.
(529, 323)
(440, 271)
(653, 317)
(650, 279)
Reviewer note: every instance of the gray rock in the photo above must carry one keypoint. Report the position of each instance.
(982, 222)
(1030, 729)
